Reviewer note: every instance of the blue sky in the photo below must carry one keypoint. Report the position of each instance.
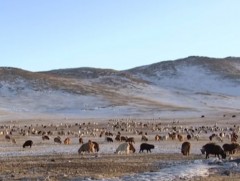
(40, 35)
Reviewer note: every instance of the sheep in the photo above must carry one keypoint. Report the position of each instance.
(130, 140)
(234, 137)
(7, 137)
(123, 138)
(118, 137)
(180, 137)
(158, 138)
(189, 137)
(67, 141)
(123, 148)
(45, 137)
(212, 148)
(144, 138)
(186, 148)
(109, 139)
(80, 140)
(13, 141)
(28, 143)
(57, 140)
(146, 146)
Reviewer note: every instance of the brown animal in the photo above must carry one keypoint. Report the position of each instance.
(189, 137)
(87, 147)
(123, 138)
(130, 140)
(108, 133)
(131, 148)
(118, 137)
(96, 146)
(234, 137)
(80, 140)
(45, 137)
(67, 141)
(186, 146)
(13, 141)
(7, 137)
(212, 136)
(157, 137)
(144, 138)
(180, 137)
(172, 135)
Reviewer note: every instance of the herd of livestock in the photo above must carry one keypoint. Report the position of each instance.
(127, 132)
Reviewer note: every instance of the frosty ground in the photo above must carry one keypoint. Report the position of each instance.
(47, 160)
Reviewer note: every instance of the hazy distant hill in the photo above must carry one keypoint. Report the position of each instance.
(192, 85)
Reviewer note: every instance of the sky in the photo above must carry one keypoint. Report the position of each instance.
(39, 35)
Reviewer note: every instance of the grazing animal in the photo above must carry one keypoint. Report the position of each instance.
(234, 137)
(144, 138)
(172, 135)
(7, 137)
(118, 137)
(13, 141)
(231, 148)
(45, 137)
(130, 140)
(57, 140)
(123, 148)
(189, 137)
(158, 137)
(123, 138)
(28, 143)
(180, 137)
(212, 136)
(96, 146)
(80, 140)
(212, 148)
(109, 139)
(87, 147)
(131, 148)
(186, 146)
(146, 146)
(67, 141)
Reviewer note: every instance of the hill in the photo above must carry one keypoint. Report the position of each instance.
(189, 86)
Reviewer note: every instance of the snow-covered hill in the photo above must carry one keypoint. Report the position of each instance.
(184, 87)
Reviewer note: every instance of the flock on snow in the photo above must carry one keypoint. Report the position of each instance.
(127, 132)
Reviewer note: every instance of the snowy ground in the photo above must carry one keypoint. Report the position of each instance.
(173, 170)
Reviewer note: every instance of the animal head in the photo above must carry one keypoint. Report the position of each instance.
(224, 155)
(203, 151)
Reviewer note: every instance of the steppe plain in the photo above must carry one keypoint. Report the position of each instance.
(47, 160)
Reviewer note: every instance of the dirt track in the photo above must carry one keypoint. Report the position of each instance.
(58, 167)
(67, 167)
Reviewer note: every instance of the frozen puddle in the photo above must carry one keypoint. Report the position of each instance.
(181, 170)
(176, 170)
